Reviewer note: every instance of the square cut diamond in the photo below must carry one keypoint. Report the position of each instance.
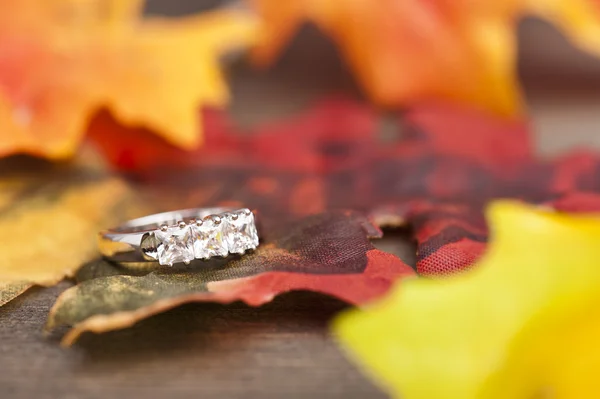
(174, 245)
(208, 240)
(240, 232)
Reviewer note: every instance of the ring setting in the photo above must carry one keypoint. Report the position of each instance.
(182, 236)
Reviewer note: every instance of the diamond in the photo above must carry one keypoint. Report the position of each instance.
(208, 239)
(240, 232)
(175, 244)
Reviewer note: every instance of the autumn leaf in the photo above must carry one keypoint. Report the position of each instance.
(328, 253)
(434, 169)
(65, 60)
(49, 220)
(523, 323)
(406, 51)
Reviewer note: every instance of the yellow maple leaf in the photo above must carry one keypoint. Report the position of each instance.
(524, 322)
(63, 60)
(404, 51)
(51, 215)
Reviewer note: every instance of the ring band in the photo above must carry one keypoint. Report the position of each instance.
(181, 236)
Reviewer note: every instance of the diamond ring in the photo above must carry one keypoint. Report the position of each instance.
(181, 236)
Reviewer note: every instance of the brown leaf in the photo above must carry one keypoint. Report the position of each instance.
(328, 253)
(49, 217)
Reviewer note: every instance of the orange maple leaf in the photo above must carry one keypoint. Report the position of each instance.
(409, 50)
(63, 60)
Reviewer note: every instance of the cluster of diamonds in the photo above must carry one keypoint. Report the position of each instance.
(215, 235)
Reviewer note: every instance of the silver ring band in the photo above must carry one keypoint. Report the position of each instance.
(181, 236)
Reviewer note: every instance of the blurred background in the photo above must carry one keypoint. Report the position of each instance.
(561, 82)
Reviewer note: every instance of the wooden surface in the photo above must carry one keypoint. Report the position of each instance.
(213, 351)
(197, 351)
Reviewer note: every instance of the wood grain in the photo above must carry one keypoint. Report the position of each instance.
(196, 351)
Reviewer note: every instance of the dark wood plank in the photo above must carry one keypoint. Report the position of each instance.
(198, 351)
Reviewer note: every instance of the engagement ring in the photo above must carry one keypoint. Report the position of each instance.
(181, 236)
